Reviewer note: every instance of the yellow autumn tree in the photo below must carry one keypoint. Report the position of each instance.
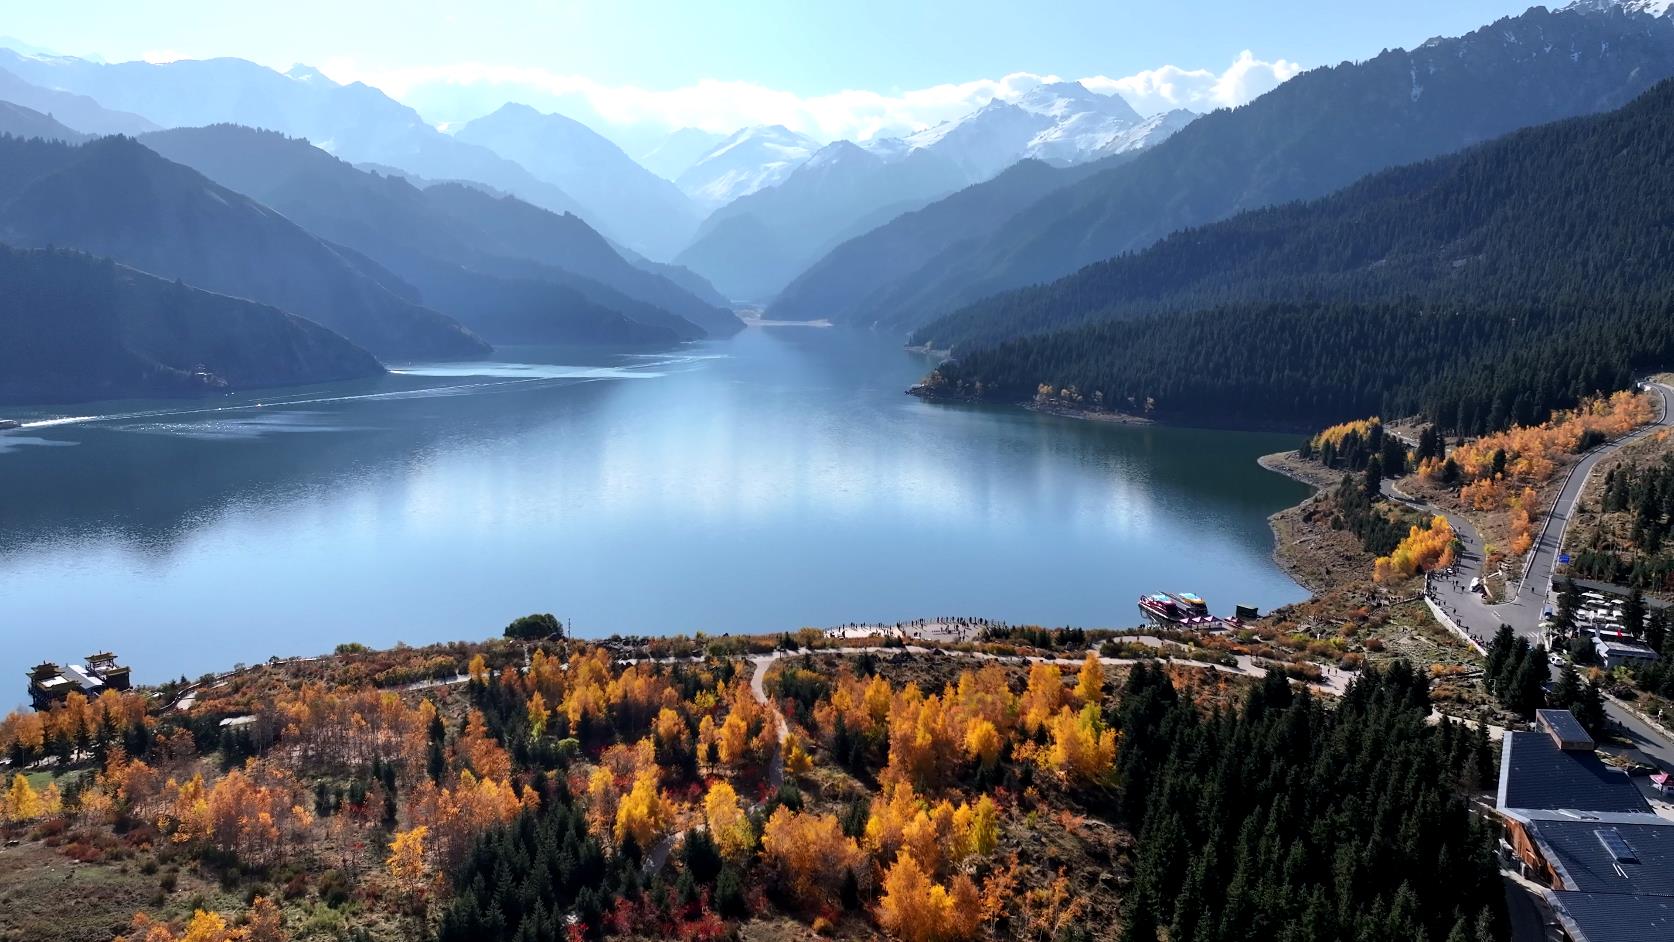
(1089, 687)
(977, 827)
(728, 824)
(20, 802)
(407, 864)
(797, 761)
(1334, 435)
(1080, 749)
(982, 743)
(1043, 696)
(914, 908)
(642, 813)
(538, 712)
(809, 853)
(732, 739)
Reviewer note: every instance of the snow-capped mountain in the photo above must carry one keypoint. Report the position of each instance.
(980, 144)
(1062, 100)
(676, 152)
(1088, 136)
(749, 160)
(1649, 7)
(1059, 122)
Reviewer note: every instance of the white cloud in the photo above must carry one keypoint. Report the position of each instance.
(1198, 89)
(455, 93)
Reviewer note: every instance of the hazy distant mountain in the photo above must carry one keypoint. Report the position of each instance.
(620, 198)
(76, 111)
(512, 272)
(19, 121)
(753, 246)
(1315, 133)
(690, 281)
(747, 161)
(846, 189)
(74, 327)
(519, 230)
(678, 151)
(840, 285)
(114, 197)
(356, 122)
(410, 231)
(1058, 122)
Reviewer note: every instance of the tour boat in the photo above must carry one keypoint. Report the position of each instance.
(1191, 602)
(1162, 608)
(9, 424)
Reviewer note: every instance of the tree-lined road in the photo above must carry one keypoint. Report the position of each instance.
(1524, 609)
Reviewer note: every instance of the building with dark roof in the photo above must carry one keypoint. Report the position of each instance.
(1604, 917)
(1586, 832)
(1536, 771)
(1565, 730)
(49, 683)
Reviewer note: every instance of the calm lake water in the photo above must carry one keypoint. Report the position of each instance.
(766, 482)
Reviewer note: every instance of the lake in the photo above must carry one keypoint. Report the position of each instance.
(766, 482)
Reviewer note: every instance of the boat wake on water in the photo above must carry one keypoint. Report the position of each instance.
(285, 403)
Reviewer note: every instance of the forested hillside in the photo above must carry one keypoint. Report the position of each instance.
(1482, 289)
(74, 327)
(1292, 821)
(116, 198)
(511, 271)
(1314, 134)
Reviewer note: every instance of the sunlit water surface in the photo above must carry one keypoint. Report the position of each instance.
(769, 481)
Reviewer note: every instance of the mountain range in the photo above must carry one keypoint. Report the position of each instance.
(622, 198)
(678, 150)
(783, 216)
(74, 327)
(75, 111)
(749, 160)
(19, 121)
(354, 121)
(1313, 134)
(116, 198)
(1480, 288)
(511, 271)
(839, 286)
(334, 203)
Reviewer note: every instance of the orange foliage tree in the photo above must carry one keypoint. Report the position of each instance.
(1421, 551)
(916, 909)
(809, 853)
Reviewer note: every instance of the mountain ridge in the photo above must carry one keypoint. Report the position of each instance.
(74, 327)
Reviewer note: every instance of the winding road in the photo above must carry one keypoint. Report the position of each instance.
(1523, 611)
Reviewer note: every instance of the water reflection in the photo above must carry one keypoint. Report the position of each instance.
(776, 479)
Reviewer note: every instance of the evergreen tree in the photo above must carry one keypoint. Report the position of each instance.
(1633, 614)
(1590, 709)
(1567, 694)
(1527, 694)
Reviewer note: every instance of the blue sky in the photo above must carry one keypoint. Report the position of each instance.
(451, 58)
